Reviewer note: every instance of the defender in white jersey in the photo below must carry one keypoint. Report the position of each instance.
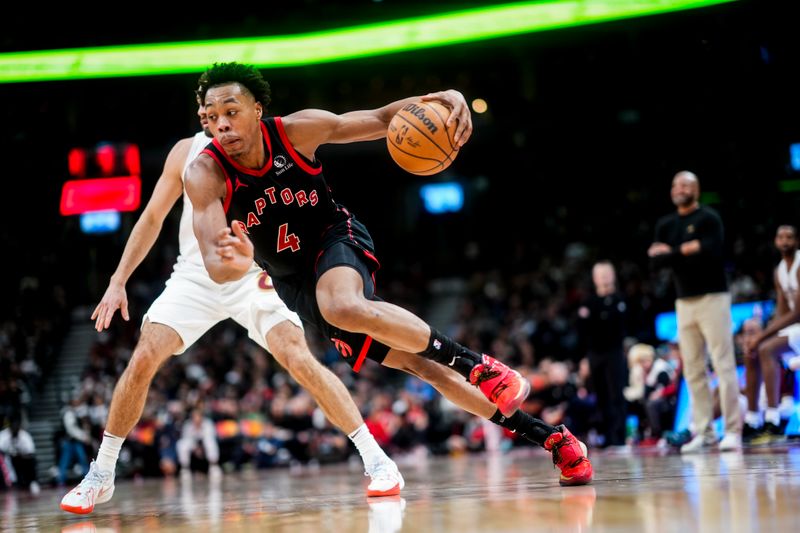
(189, 306)
(782, 335)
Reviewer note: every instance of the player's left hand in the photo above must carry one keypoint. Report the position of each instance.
(235, 247)
(459, 112)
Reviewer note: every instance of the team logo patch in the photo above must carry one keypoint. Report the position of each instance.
(342, 347)
(279, 161)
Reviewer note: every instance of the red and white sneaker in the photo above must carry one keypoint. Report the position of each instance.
(386, 478)
(569, 455)
(96, 487)
(505, 387)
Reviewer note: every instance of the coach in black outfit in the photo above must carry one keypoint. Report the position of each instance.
(602, 328)
(689, 242)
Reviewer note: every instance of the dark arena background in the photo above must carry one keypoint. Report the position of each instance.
(578, 132)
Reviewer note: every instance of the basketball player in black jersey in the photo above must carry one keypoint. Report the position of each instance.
(258, 193)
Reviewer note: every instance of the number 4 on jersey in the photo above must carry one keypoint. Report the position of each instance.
(287, 241)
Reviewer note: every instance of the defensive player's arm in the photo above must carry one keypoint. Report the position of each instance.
(168, 189)
(310, 128)
(227, 256)
(784, 316)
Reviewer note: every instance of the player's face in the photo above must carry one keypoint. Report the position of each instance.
(685, 191)
(785, 241)
(203, 116)
(233, 118)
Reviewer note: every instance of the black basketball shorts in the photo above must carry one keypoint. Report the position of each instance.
(302, 299)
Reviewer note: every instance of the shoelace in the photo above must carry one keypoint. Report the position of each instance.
(486, 373)
(556, 451)
(497, 391)
(382, 470)
(95, 477)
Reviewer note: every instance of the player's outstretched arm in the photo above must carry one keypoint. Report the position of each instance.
(227, 255)
(168, 189)
(310, 128)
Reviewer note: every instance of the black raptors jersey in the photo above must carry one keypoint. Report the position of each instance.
(285, 207)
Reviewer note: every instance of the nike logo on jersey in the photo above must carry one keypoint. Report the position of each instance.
(239, 184)
(451, 363)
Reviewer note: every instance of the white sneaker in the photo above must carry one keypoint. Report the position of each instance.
(96, 487)
(698, 444)
(35, 488)
(730, 442)
(386, 478)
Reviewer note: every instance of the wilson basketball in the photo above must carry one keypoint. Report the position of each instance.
(419, 141)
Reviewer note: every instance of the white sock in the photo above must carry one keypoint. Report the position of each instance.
(773, 416)
(366, 445)
(109, 452)
(752, 419)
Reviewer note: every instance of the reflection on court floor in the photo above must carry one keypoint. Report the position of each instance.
(755, 490)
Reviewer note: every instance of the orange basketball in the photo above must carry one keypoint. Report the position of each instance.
(419, 141)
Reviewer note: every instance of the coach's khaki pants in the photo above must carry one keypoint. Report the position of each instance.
(706, 321)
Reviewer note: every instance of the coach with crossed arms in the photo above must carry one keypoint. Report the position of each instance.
(689, 242)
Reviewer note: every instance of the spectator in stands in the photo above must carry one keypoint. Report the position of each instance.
(661, 395)
(16, 444)
(167, 435)
(198, 440)
(76, 437)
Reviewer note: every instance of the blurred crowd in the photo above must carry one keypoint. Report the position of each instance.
(226, 404)
(31, 331)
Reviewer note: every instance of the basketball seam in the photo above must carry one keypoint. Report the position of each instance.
(417, 172)
(414, 155)
(427, 172)
(433, 142)
(453, 148)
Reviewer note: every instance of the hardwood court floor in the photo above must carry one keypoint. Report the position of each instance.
(751, 491)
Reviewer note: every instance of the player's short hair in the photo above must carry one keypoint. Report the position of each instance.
(787, 227)
(245, 75)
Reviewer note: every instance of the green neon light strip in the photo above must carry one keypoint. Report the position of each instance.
(327, 46)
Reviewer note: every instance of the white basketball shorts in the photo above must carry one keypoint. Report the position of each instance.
(793, 333)
(192, 303)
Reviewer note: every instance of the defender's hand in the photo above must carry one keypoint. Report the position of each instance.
(114, 298)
